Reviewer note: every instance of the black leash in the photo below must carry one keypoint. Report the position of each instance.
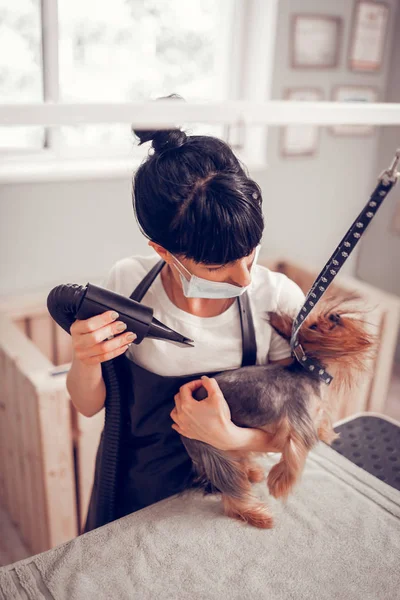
(386, 181)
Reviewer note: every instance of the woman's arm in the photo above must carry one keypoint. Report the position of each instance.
(256, 440)
(210, 419)
(247, 439)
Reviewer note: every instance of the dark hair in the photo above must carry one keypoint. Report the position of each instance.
(193, 197)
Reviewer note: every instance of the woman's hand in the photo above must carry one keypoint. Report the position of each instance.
(207, 420)
(92, 339)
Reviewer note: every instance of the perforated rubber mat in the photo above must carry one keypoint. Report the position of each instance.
(373, 444)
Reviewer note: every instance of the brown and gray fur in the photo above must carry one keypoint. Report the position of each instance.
(288, 403)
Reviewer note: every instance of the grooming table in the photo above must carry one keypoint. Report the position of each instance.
(337, 536)
(371, 441)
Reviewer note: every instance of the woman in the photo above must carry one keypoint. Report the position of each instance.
(203, 217)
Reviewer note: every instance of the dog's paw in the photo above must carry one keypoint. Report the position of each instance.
(251, 511)
(255, 474)
(280, 480)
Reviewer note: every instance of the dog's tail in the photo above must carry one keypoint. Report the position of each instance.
(225, 473)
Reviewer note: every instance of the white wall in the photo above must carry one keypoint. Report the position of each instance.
(64, 232)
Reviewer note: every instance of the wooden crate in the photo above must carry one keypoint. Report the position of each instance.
(47, 448)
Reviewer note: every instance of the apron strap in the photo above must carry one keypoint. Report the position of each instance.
(249, 344)
(146, 282)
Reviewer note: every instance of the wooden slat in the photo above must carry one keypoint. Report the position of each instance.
(12, 467)
(5, 404)
(63, 345)
(35, 505)
(24, 306)
(12, 548)
(41, 334)
(22, 499)
(58, 463)
(89, 431)
(3, 433)
(384, 362)
(7, 463)
(22, 325)
(20, 435)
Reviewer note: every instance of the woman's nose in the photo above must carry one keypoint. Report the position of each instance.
(240, 274)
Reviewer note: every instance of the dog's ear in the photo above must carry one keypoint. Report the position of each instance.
(281, 323)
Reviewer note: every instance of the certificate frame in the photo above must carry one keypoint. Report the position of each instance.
(363, 93)
(359, 60)
(311, 94)
(296, 43)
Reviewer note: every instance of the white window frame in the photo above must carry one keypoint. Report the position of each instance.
(249, 28)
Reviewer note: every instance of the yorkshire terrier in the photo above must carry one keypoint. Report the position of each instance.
(287, 402)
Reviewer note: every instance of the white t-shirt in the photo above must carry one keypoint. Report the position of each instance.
(218, 340)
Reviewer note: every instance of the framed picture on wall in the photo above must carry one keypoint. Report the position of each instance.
(368, 36)
(353, 93)
(315, 41)
(300, 140)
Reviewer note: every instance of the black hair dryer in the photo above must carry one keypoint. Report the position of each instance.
(71, 301)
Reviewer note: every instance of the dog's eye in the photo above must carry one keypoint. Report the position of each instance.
(313, 326)
(334, 317)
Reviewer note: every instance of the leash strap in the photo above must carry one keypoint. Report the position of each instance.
(386, 181)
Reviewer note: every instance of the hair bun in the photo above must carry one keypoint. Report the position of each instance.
(168, 138)
(162, 139)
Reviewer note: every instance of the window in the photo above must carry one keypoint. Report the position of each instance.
(20, 67)
(130, 50)
(140, 49)
(86, 51)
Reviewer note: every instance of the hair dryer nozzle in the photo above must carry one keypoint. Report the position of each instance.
(160, 331)
(69, 302)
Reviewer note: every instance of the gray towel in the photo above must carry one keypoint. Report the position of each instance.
(337, 537)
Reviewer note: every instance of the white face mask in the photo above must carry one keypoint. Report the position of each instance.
(198, 287)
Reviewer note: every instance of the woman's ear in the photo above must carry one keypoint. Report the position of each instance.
(162, 252)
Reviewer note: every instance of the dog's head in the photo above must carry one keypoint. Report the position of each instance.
(334, 334)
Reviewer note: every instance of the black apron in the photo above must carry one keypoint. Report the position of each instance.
(152, 462)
